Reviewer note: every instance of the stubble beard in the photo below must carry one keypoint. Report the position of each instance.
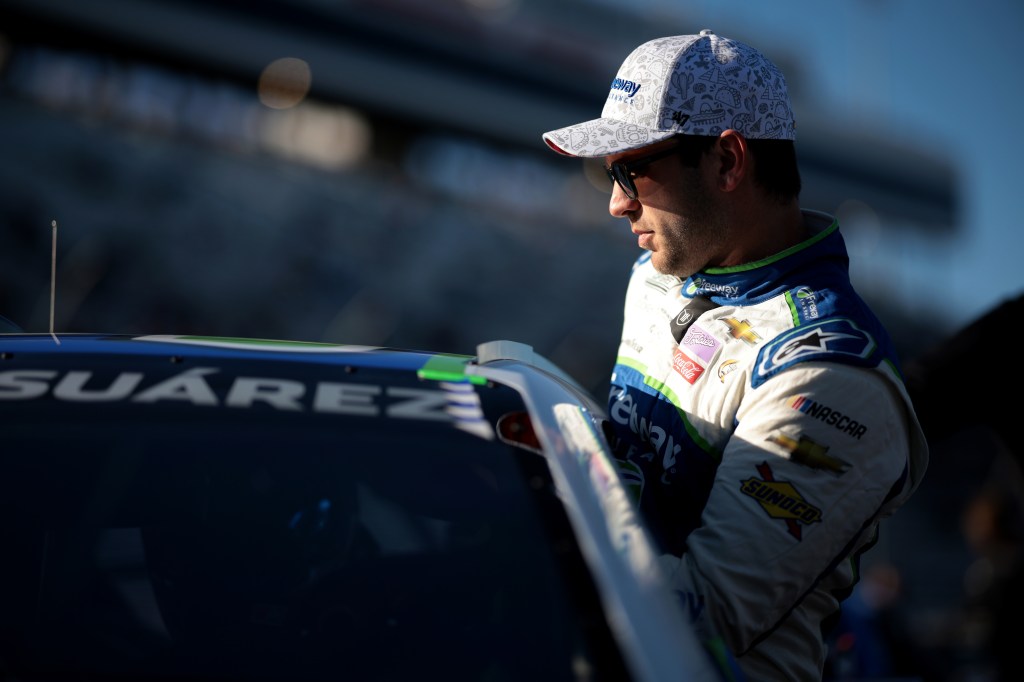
(685, 245)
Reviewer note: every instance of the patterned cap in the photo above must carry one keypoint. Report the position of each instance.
(692, 85)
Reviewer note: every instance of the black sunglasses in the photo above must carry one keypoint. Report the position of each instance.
(623, 172)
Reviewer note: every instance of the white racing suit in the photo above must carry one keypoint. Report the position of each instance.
(763, 424)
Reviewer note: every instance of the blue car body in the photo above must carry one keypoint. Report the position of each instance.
(180, 508)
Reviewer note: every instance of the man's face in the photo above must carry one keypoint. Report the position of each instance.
(674, 213)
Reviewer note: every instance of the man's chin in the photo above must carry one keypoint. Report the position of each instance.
(659, 263)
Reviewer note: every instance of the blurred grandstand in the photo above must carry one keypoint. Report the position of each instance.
(371, 171)
(368, 171)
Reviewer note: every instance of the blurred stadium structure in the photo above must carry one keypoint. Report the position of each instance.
(371, 172)
(351, 170)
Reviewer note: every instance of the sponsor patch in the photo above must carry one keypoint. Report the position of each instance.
(663, 283)
(842, 422)
(634, 344)
(686, 367)
(780, 500)
(813, 455)
(727, 368)
(704, 286)
(680, 324)
(837, 339)
(741, 329)
(807, 299)
(701, 343)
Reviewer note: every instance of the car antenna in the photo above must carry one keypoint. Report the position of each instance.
(53, 277)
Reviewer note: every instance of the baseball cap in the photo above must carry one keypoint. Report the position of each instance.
(692, 85)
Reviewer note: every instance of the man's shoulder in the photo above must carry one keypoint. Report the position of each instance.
(832, 339)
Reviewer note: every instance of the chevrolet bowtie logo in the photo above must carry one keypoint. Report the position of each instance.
(742, 330)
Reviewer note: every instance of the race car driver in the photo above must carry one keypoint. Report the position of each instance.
(756, 400)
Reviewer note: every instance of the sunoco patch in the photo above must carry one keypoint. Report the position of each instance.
(780, 500)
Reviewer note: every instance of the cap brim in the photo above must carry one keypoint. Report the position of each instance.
(603, 137)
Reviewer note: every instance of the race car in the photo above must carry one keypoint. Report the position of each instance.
(184, 507)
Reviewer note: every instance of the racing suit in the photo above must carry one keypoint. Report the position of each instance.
(762, 423)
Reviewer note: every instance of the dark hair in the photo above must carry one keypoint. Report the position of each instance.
(693, 147)
(775, 165)
(775, 168)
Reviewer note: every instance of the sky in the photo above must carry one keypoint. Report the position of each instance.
(944, 74)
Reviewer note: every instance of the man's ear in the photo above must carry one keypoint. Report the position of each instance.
(734, 160)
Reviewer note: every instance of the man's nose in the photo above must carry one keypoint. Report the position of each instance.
(619, 204)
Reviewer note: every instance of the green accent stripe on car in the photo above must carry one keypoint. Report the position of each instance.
(448, 368)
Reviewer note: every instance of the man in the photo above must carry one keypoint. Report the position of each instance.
(756, 401)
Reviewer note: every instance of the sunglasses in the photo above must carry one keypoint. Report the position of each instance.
(623, 172)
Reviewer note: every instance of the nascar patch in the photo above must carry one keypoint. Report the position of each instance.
(828, 415)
